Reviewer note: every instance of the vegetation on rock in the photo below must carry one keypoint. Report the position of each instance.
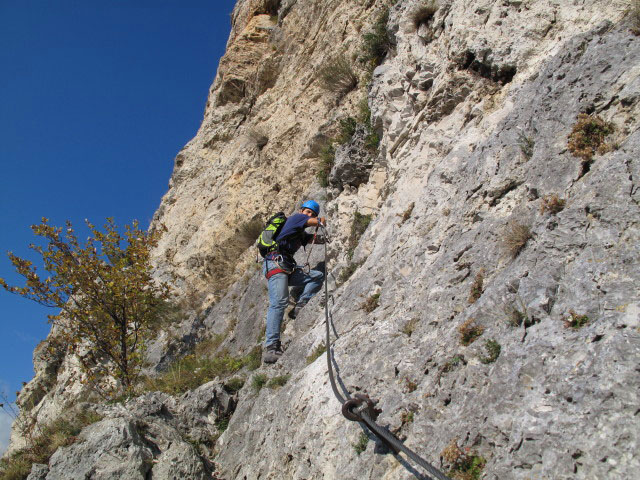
(109, 302)
(587, 136)
(42, 442)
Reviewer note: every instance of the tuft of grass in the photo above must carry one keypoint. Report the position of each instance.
(372, 140)
(452, 363)
(347, 129)
(477, 287)
(258, 381)
(337, 76)
(423, 13)
(406, 417)
(516, 317)
(349, 270)
(526, 144)
(515, 237)
(552, 204)
(410, 326)
(469, 331)
(376, 43)
(249, 232)
(222, 423)
(493, 349)
(327, 160)
(316, 353)
(410, 385)
(361, 445)
(234, 384)
(191, 371)
(634, 13)
(406, 215)
(575, 320)
(371, 303)
(41, 445)
(279, 381)
(358, 227)
(464, 465)
(253, 359)
(587, 136)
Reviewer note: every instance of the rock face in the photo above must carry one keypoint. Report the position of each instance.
(492, 301)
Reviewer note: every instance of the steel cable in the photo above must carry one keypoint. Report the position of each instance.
(382, 433)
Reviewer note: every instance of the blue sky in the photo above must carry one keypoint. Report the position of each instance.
(96, 99)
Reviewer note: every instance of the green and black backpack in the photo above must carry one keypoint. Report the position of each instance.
(266, 240)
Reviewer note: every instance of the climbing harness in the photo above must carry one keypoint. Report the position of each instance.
(359, 407)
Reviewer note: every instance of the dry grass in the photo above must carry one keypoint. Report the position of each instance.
(634, 13)
(477, 287)
(371, 303)
(515, 237)
(423, 13)
(465, 465)
(469, 331)
(316, 353)
(552, 204)
(410, 326)
(587, 137)
(337, 76)
(406, 215)
(575, 320)
(43, 442)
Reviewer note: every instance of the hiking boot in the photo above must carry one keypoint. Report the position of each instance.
(295, 311)
(272, 353)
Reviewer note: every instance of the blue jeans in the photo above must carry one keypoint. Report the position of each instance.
(304, 286)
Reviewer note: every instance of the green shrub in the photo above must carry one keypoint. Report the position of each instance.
(526, 144)
(327, 160)
(234, 384)
(377, 42)
(575, 320)
(316, 353)
(359, 226)
(253, 359)
(493, 349)
(222, 423)
(43, 444)
(258, 381)
(371, 303)
(279, 381)
(191, 371)
(452, 363)
(349, 270)
(347, 129)
(361, 444)
(337, 76)
(464, 465)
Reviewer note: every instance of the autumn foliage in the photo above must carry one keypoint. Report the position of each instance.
(108, 300)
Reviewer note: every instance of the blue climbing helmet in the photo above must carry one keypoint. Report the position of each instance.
(311, 205)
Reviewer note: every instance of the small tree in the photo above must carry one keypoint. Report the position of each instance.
(105, 291)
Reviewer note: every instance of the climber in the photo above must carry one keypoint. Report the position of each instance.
(281, 272)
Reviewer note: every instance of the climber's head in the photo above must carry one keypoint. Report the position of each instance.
(310, 208)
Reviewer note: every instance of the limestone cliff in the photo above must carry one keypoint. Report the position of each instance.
(483, 266)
